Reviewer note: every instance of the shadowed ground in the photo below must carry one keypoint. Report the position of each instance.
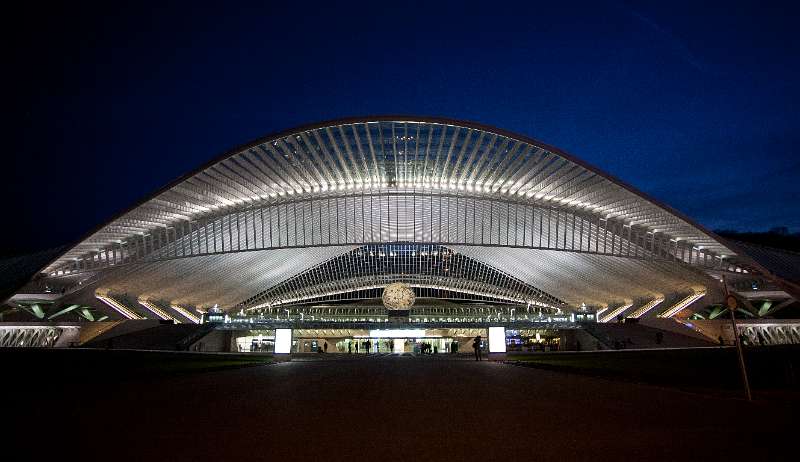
(399, 408)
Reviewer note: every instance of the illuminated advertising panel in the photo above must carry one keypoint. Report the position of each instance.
(398, 333)
(497, 340)
(283, 340)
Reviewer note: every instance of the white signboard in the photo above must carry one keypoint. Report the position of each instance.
(397, 333)
(283, 340)
(497, 340)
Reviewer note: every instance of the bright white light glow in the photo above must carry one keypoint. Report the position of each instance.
(681, 305)
(616, 312)
(497, 340)
(398, 333)
(157, 311)
(647, 307)
(283, 340)
(186, 313)
(118, 307)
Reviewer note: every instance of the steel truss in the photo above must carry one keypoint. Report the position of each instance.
(32, 336)
(420, 265)
(314, 177)
(229, 231)
(392, 216)
(775, 334)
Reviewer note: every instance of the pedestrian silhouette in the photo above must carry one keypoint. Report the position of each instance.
(326, 347)
(476, 345)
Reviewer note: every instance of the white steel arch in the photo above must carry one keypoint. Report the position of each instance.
(368, 181)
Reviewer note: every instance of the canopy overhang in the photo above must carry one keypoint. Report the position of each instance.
(276, 208)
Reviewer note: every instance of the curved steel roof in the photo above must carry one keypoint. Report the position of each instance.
(393, 153)
(283, 219)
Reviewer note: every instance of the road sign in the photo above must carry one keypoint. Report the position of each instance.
(731, 302)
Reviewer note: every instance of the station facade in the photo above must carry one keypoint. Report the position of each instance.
(305, 229)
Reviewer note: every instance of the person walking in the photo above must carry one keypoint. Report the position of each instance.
(325, 347)
(356, 347)
(476, 345)
(349, 348)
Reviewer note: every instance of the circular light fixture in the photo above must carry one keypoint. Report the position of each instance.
(398, 296)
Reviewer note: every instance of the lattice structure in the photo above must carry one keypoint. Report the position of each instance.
(29, 336)
(342, 167)
(245, 229)
(421, 266)
(427, 310)
(771, 334)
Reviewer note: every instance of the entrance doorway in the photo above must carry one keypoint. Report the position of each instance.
(396, 345)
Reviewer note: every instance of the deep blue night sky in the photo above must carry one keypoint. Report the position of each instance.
(697, 106)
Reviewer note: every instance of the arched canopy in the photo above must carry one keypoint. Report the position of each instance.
(329, 188)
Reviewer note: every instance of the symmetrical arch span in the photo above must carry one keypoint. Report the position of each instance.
(419, 265)
(399, 216)
(379, 157)
(236, 231)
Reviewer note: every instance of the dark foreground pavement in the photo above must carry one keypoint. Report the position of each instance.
(396, 408)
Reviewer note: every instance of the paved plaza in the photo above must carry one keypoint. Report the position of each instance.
(406, 408)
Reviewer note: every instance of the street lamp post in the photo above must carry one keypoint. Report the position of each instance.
(732, 304)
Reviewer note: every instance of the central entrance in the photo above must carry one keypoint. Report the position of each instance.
(396, 345)
(398, 341)
(385, 339)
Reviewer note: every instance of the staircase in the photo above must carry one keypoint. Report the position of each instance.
(201, 331)
(172, 337)
(634, 335)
